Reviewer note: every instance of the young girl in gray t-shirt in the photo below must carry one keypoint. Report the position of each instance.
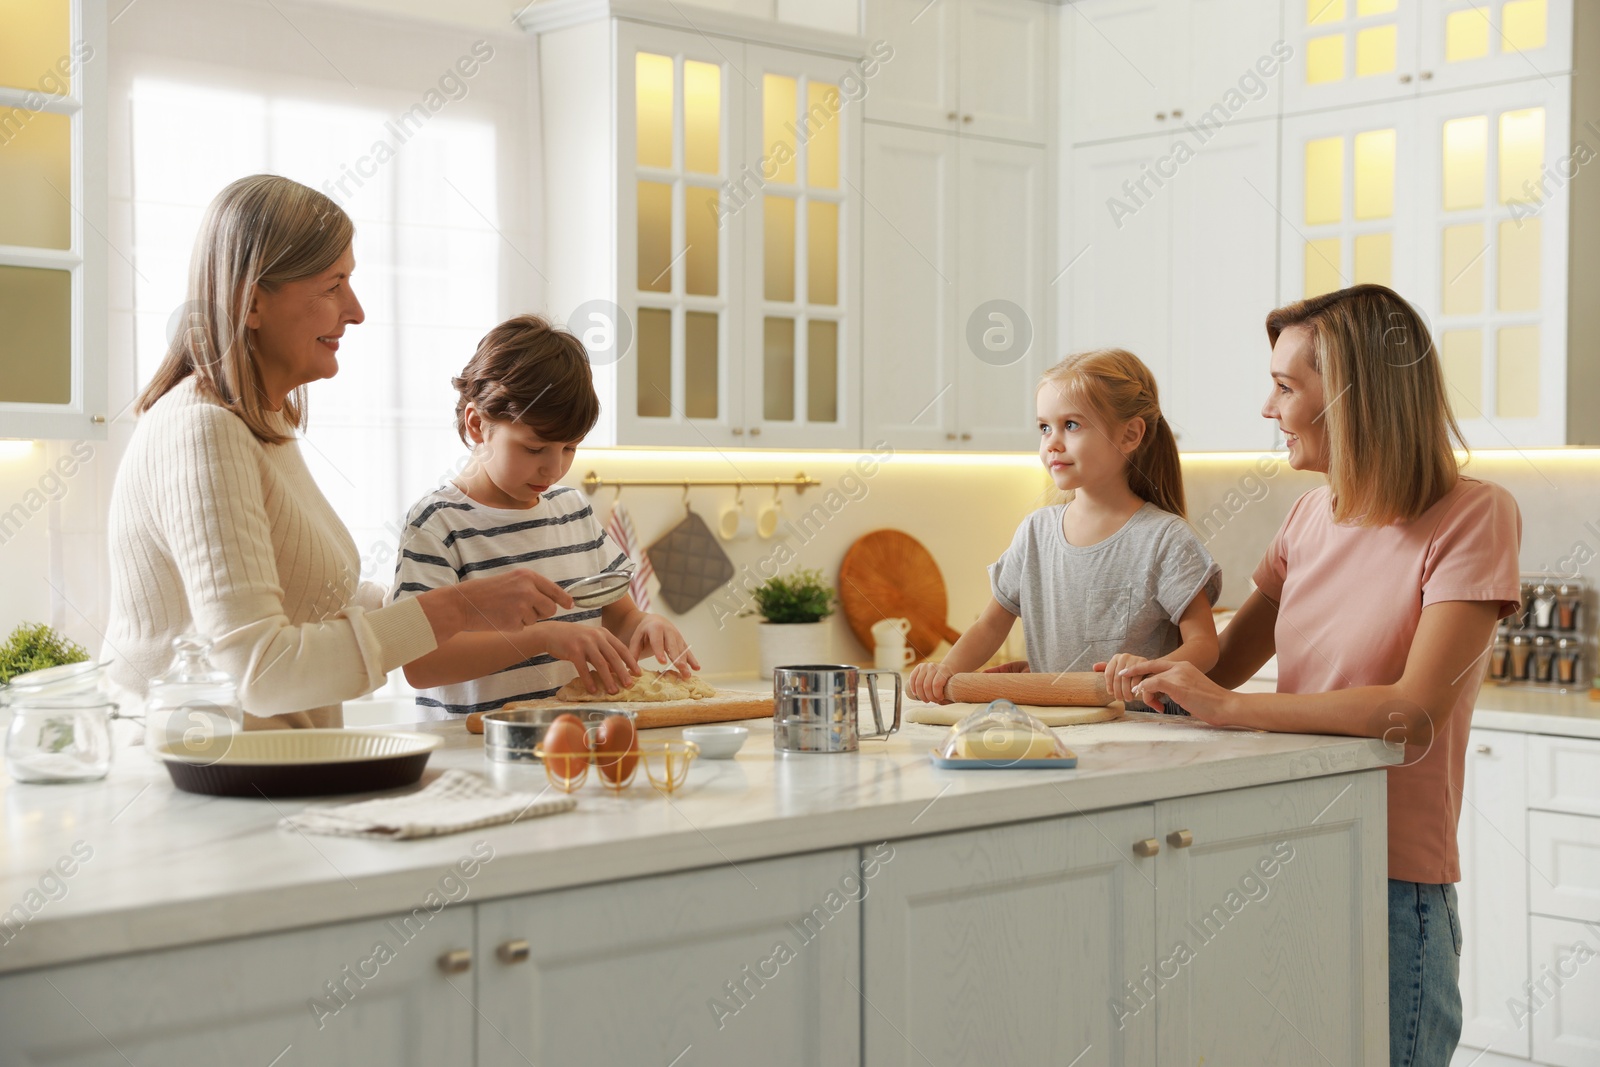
(1115, 575)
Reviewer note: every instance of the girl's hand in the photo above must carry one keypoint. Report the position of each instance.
(1118, 683)
(928, 682)
(591, 646)
(1016, 666)
(1184, 684)
(663, 641)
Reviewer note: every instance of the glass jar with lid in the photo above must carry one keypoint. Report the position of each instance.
(60, 726)
(194, 710)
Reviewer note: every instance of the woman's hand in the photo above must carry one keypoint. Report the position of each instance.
(929, 682)
(663, 641)
(1119, 682)
(1182, 683)
(505, 603)
(590, 646)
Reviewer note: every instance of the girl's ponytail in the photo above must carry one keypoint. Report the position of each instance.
(1118, 384)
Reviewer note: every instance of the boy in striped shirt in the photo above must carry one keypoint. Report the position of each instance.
(526, 401)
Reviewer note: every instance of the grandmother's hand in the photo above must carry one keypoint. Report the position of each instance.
(506, 603)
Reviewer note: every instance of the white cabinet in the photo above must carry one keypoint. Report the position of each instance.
(53, 372)
(978, 66)
(1148, 66)
(1021, 938)
(1178, 237)
(956, 326)
(703, 223)
(1493, 893)
(360, 992)
(1138, 933)
(1360, 51)
(1272, 925)
(1566, 1015)
(747, 963)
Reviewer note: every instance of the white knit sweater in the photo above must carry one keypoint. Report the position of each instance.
(214, 532)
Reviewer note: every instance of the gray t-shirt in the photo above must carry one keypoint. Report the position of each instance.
(1126, 594)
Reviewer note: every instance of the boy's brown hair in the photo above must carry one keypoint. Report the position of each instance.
(526, 370)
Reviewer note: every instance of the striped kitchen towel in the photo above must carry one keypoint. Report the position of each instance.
(619, 527)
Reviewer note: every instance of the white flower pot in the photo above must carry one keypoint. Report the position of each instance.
(790, 644)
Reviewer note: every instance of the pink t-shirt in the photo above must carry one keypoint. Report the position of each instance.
(1349, 599)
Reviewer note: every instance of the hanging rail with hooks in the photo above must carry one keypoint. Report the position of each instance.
(592, 482)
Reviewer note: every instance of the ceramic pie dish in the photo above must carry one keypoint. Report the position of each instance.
(301, 763)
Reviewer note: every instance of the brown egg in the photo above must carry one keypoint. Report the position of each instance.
(616, 736)
(566, 747)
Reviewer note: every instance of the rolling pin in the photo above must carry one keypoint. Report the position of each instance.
(1067, 689)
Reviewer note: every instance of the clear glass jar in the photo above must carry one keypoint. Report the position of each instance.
(60, 727)
(193, 705)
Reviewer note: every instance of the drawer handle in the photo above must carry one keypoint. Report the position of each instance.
(952, 116)
(515, 951)
(1161, 116)
(1148, 847)
(1405, 79)
(456, 961)
(1177, 112)
(1180, 839)
(1485, 750)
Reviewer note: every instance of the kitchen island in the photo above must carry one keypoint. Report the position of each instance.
(1184, 892)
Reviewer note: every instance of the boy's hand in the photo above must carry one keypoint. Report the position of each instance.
(591, 646)
(1120, 686)
(659, 638)
(928, 682)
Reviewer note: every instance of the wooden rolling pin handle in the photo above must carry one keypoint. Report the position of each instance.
(1068, 689)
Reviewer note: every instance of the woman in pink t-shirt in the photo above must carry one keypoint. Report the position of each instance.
(1379, 596)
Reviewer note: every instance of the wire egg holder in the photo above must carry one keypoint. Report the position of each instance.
(666, 764)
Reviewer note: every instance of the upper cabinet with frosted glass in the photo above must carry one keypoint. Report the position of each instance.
(1360, 51)
(52, 219)
(702, 204)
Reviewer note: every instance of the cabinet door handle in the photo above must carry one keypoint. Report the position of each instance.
(949, 437)
(1405, 79)
(1148, 847)
(952, 116)
(755, 431)
(1180, 839)
(456, 961)
(1427, 75)
(1485, 750)
(98, 420)
(966, 437)
(738, 431)
(966, 118)
(1161, 116)
(515, 951)
(1177, 112)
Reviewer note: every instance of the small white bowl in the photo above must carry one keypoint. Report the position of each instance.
(717, 742)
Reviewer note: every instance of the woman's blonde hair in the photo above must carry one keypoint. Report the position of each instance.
(1117, 385)
(1389, 426)
(263, 231)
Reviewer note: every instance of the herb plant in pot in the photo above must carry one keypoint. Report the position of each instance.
(792, 610)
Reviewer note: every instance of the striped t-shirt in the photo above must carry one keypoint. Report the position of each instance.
(451, 538)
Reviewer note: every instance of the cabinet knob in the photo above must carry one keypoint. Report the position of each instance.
(966, 118)
(966, 437)
(1405, 79)
(738, 431)
(1180, 839)
(1177, 112)
(1427, 75)
(98, 420)
(755, 431)
(1161, 116)
(456, 961)
(516, 951)
(1148, 847)
(952, 116)
(949, 437)
(1485, 750)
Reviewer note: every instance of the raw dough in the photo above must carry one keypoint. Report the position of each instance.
(950, 714)
(651, 686)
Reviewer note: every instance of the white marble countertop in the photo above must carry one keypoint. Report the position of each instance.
(1536, 712)
(171, 868)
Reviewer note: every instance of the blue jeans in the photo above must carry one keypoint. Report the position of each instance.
(1424, 974)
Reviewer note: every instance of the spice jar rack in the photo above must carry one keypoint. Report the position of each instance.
(1548, 644)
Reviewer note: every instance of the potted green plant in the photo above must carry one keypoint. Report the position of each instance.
(33, 647)
(792, 608)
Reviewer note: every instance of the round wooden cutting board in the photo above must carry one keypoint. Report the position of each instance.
(889, 574)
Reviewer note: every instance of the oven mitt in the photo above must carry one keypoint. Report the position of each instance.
(689, 563)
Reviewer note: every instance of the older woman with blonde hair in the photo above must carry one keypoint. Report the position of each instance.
(1379, 596)
(217, 525)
